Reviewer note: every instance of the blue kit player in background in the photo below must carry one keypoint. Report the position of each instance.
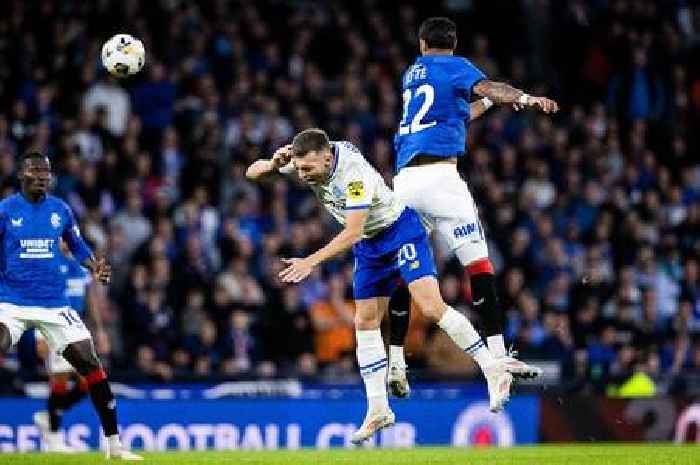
(66, 386)
(431, 136)
(32, 288)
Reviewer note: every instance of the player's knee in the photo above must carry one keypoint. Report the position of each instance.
(428, 300)
(365, 321)
(87, 365)
(83, 357)
(472, 255)
(430, 304)
(432, 307)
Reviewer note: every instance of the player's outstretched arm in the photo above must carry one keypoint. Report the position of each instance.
(263, 167)
(501, 92)
(299, 268)
(478, 108)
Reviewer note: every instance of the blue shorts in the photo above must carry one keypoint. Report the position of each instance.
(400, 251)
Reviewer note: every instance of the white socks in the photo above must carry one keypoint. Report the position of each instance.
(114, 442)
(371, 357)
(465, 336)
(497, 345)
(396, 357)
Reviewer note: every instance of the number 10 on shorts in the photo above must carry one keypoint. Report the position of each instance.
(407, 253)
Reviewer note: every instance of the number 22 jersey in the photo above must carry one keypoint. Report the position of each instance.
(436, 94)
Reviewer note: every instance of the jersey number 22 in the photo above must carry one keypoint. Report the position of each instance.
(416, 124)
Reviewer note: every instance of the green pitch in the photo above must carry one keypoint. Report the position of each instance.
(536, 455)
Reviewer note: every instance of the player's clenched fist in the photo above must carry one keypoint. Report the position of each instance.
(282, 156)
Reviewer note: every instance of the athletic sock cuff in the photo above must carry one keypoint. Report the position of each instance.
(480, 266)
(58, 387)
(95, 377)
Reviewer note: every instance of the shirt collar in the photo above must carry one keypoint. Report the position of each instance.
(336, 156)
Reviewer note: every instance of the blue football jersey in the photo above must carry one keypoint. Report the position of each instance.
(30, 258)
(77, 279)
(436, 94)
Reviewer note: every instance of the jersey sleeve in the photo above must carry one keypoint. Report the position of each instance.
(467, 77)
(71, 234)
(359, 188)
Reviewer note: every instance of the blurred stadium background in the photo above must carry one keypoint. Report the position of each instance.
(594, 215)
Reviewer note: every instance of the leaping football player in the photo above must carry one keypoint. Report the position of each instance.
(389, 242)
(431, 137)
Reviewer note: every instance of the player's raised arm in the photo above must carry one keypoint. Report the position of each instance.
(264, 167)
(501, 92)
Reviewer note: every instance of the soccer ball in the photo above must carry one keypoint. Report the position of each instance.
(123, 55)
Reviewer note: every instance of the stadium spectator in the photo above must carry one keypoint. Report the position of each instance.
(333, 322)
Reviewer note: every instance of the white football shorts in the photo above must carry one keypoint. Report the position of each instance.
(54, 362)
(440, 195)
(60, 326)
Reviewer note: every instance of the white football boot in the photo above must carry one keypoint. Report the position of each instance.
(374, 421)
(499, 381)
(520, 369)
(116, 451)
(53, 441)
(398, 382)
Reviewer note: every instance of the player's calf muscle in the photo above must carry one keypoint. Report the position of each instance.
(367, 314)
(426, 294)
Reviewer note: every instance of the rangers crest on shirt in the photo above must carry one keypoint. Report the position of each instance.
(55, 220)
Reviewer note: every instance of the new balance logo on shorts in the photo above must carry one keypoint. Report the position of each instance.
(466, 230)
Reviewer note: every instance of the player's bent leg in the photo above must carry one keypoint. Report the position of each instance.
(399, 318)
(372, 360)
(485, 300)
(84, 359)
(65, 390)
(456, 218)
(426, 293)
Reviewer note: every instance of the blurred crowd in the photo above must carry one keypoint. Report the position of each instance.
(593, 214)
